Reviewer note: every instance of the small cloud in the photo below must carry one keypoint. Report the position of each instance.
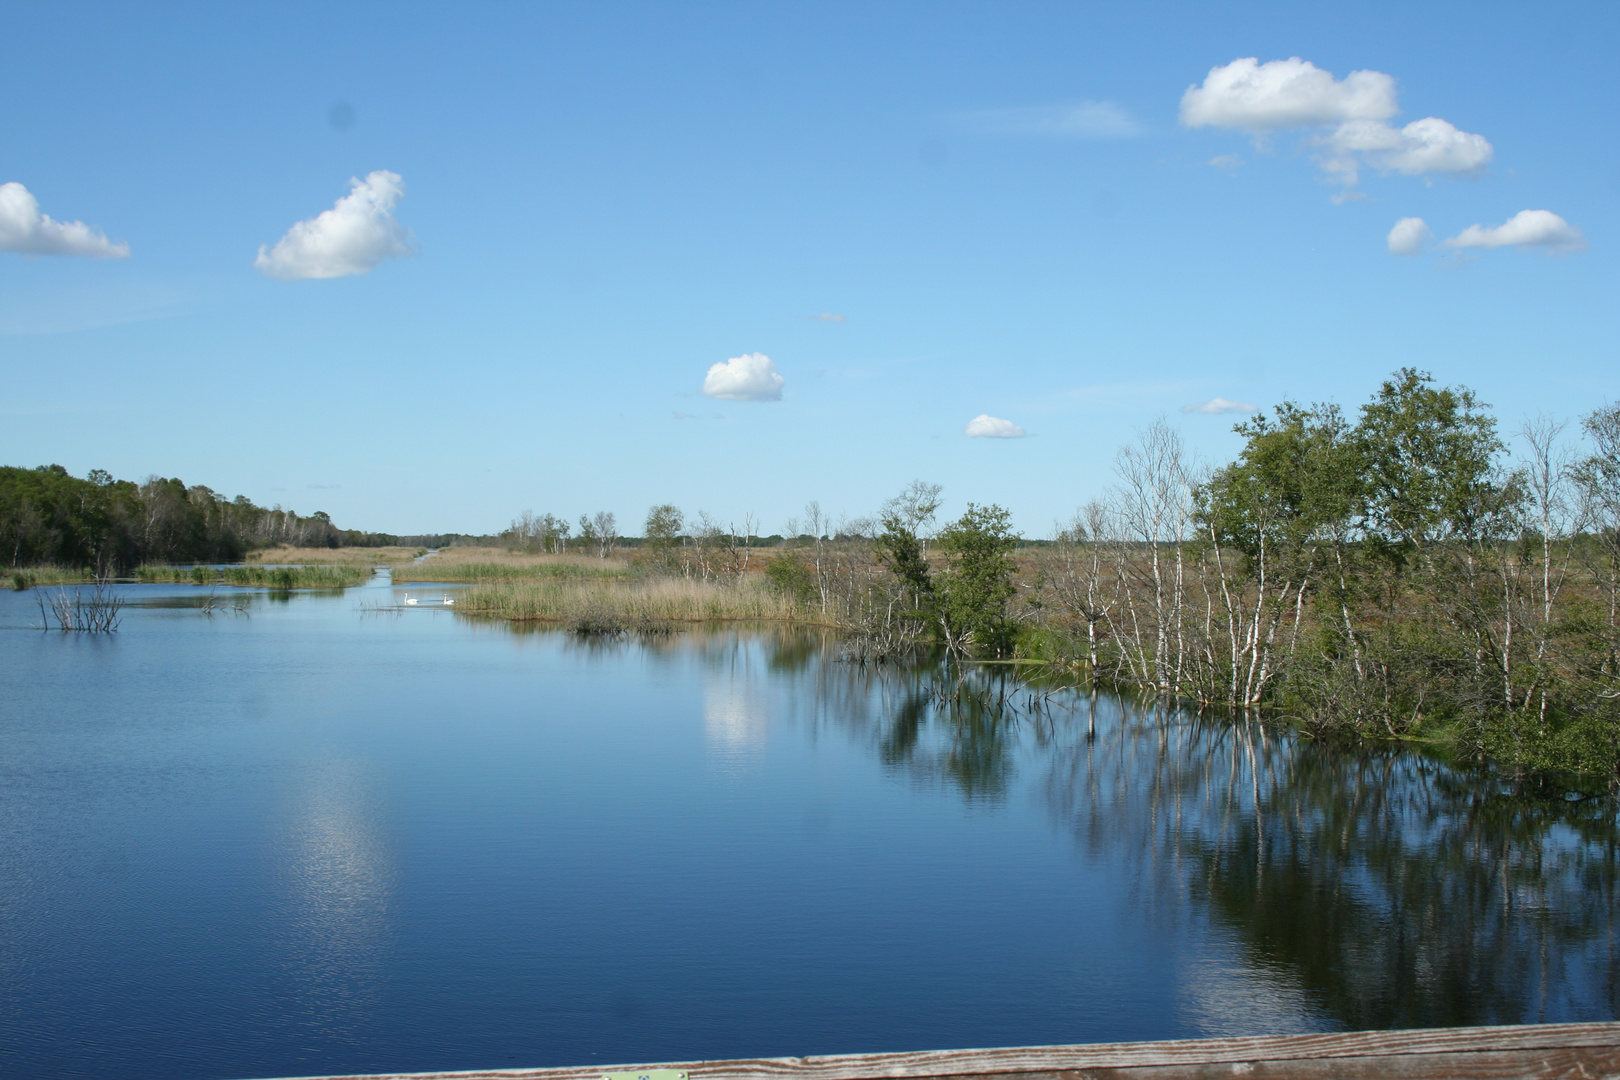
(1070, 120)
(351, 238)
(1252, 96)
(827, 317)
(1409, 236)
(323, 487)
(23, 229)
(1215, 406)
(749, 377)
(985, 426)
(1226, 162)
(1527, 228)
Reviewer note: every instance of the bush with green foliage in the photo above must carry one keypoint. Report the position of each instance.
(975, 590)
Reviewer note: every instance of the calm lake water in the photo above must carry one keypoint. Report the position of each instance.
(319, 837)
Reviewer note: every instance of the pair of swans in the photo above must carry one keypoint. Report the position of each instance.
(413, 601)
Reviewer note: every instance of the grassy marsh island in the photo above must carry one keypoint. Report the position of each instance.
(620, 604)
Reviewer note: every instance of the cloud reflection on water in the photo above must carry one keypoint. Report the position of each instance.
(1225, 994)
(736, 716)
(336, 879)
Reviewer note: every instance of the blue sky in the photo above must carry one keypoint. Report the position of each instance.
(601, 202)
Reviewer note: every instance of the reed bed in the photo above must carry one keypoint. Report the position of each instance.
(296, 577)
(26, 577)
(176, 575)
(264, 577)
(599, 605)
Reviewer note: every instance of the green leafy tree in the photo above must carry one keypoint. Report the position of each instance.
(1425, 457)
(900, 550)
(663, 531)
(975, 590)
(1271, 520)
(1295, 481)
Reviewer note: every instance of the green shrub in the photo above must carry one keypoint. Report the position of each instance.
(789, 576)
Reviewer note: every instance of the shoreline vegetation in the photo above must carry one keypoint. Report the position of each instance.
(264, 577)
(27, 577)
(1395, 575)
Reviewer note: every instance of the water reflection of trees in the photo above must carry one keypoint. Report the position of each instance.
(928, 723)
(1401, 891)
(1393, 888)
(1397, 890)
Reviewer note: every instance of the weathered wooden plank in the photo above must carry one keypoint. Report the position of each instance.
(1574, 1063)
(1532, 1050)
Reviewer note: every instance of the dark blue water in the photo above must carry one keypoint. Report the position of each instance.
(315, 837)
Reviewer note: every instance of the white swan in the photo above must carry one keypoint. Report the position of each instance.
(408, 599)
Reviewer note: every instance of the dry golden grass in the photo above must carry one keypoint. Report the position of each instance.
(351, 556)
(628, 603)
(469, 565)
(488, 565)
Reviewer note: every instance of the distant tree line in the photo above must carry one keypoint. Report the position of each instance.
(547, 533)
(110, 526)
(666, 531)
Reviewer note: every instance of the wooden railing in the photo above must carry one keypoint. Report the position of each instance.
(1585, 1051)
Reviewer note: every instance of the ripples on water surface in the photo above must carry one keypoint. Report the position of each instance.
(314, 838)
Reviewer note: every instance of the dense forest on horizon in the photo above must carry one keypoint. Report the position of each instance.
(105, 525)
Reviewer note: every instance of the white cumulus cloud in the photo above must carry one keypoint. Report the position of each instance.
(1215, 406)
(1527, 228)
(1252, 96)
(351, 238)
(1423, 146)
(1070, 120)
(749, 377)
(1292, 94)
(1409, 236)
(25, 230)
(985, 426)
